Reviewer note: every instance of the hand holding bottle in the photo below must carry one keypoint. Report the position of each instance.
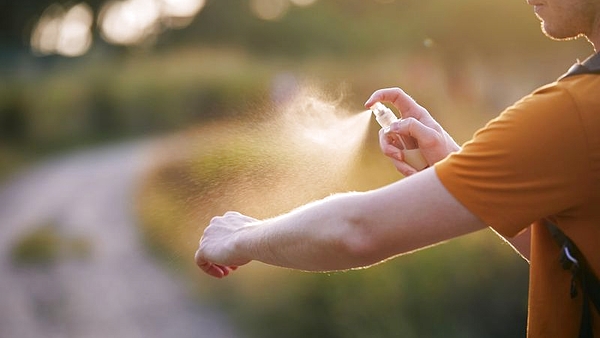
(433, 142)
(406, 144)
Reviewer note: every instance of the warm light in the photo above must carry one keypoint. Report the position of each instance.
(75, 34)
(269, 9)
(180, 13)
(303, 3)
(63, 32)
(45, 33)
(128, 22)
(181, 8)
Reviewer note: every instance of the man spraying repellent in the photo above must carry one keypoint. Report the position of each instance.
(509, 177)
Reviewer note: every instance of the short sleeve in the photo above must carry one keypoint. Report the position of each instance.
(524, 165)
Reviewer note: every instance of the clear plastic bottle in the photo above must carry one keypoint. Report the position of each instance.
(409, 146)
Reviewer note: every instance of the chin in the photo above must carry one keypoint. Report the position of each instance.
(559, 35)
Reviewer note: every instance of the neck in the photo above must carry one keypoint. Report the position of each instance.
(594, 39)
(594, 36)
(595, 43)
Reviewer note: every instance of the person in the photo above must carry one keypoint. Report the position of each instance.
(538, 160)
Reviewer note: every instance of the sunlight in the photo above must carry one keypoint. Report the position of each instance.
(45, 33)
(128, 22)
(180, 13)
(275, 9)
(64, 32)
(303, 3)
(269, 9)
(68, 32)
(75, 34)
(132, 22)
(182, 8)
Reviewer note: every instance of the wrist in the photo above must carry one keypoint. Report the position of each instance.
(242, 245)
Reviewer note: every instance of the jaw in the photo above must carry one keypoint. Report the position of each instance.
(562, 23)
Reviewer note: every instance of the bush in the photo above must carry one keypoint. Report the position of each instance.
(45, 245)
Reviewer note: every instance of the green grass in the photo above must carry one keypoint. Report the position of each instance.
(224, 155)
(233, 165)
(45, 245)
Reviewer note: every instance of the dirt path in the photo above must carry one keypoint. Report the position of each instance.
(117, 290)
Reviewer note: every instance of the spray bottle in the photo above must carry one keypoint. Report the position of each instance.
(410, 148)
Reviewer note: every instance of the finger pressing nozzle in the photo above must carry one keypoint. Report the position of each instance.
(384, 115)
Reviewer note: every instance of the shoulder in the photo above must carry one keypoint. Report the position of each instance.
(583, 90)
(523, 165)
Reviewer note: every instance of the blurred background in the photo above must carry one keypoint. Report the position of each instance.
(125, 125)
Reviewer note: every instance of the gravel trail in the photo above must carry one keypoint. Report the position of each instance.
(115, 290)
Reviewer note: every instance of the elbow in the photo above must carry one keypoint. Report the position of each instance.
(360, 245)
(353, 240)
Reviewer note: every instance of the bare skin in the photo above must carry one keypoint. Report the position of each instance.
(351, 230)
(568, 19)
(343, 231)
(434, 142)
(354, 230)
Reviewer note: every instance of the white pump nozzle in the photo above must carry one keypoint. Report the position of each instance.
(384, 115)
(412, 155)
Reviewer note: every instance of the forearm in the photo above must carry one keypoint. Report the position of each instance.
(314, 237)
(359, 229)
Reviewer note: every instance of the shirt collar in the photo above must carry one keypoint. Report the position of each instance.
(590, 66)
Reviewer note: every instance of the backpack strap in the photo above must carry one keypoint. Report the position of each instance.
(582, 277)
(571, 258)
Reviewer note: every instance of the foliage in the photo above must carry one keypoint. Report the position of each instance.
(45, 245)
(227, 59)
(39, 247)
(89, 103)
(448, 291)
(471, 287)
(210, 88)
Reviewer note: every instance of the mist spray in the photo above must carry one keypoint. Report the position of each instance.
(410, 148)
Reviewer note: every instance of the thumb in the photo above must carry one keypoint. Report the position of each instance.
(426, 137)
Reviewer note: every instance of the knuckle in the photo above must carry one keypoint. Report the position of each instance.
(392, 153)
(410, 121)
(431, 140)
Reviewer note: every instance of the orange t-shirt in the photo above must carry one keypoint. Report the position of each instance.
(539, 158)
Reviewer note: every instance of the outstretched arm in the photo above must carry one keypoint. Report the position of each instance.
(343, 231)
